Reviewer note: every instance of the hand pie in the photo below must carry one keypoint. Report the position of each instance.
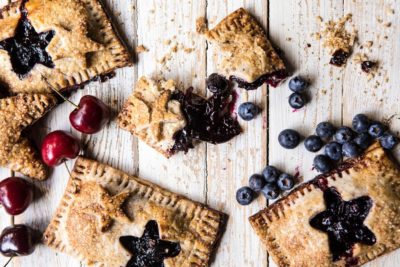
(345, 218)
(247, 55)
(58, 43)
(17, 113)
(111, 219)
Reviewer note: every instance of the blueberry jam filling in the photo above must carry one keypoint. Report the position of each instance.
(273, 79)
(343, 221)
(367, 66)
(208, 120)
(339, 58)
(149, 250)
(27, 48)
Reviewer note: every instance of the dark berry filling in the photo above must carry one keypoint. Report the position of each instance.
(27, 48)
(343, 221)
(208, 120)
(273, 79)
(339, 58)
(367, 66)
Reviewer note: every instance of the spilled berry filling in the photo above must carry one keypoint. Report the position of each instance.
(273, 79)
(367, 66)
(339, 58)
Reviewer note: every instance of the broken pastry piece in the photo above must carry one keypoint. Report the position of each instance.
(170, 120)
(247, 55)
(111, 219)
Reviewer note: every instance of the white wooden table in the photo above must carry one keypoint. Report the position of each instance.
(212, 174)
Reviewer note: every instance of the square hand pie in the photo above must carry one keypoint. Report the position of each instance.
(109, 218)
(247, 55)
(59, 43)
(344, 218)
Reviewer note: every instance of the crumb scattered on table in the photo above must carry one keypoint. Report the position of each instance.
(141, 49)
(201, 25)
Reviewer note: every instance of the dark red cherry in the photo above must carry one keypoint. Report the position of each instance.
(90, 116)
(59, 146)
(18, 240)
(15, 195)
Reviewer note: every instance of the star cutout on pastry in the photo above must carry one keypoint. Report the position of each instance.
(343, 221)
(17, 113)
(149, 250)
(27, 47)
(108, 208)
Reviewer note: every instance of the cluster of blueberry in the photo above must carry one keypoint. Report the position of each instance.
(270, 183)
(347, 142)
(297, 99)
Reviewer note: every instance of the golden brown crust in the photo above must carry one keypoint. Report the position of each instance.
(75, 231)
(247, 52)
(84, 47)
(284, 226)
(17, 113)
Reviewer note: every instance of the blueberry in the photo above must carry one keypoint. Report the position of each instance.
(325, 130)
(344, 134)
(289, 138)
(351, 150)
(361, 123)
(217, 83)
(271, 174)
(376, 129)
(297, 84)
(388, 141)
(257, 182)
(313, 143)
(285, 182)
(270, 191)
(323, 164)
(248, 111)
(245, 195)
(297, 101)
(334, 151)
(363, 140)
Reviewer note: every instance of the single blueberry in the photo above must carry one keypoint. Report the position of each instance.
(323, 164)
(388, 140)
(376, 129)
(363, 140)
(351, 150)
(217, 83)
(325, 130)
(313, 143)
(245, 195)
(271, 174)
(297, 84)
(344, 134)
(297, 101)
(334, 151)
(285, 182)
(289, 138)
(248, 111)
(361, 123)
(257, 182)
(270, 191)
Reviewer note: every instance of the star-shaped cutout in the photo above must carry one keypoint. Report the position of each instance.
(17, 113)
(343, 221)
(149, 250)
(27, 48)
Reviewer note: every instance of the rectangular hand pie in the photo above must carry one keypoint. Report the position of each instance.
(62, 43)
(109, 218)
(345, 218)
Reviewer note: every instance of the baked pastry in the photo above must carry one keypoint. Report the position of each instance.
(169, 120)
(247, 55)
(17, 113)
(109, 218)
(64, 43)
(347, 217)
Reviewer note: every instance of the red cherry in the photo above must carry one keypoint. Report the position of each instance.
(59, 146)
(15, 195)
(18, 240)
(90, 116)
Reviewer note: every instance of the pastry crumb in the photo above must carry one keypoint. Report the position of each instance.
(141, 49)
(201, 25)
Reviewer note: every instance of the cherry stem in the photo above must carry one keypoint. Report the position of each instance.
(66, 166)
(58, 93)
(8, 262)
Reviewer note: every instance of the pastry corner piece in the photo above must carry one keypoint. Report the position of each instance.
(247, 55)
(17, 113)
(109, 218)
(344, 218)
(62, 44)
